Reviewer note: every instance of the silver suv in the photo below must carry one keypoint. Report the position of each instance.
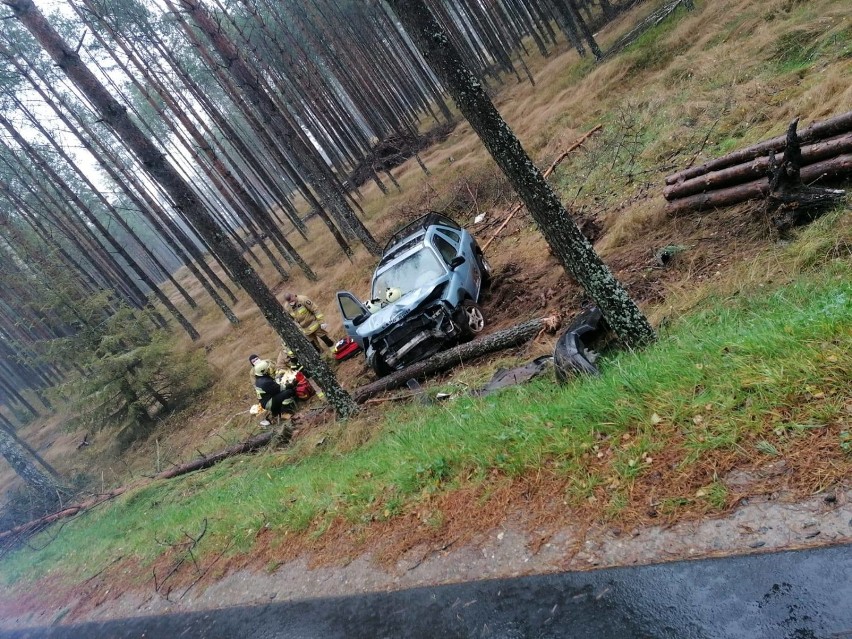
(424, 295)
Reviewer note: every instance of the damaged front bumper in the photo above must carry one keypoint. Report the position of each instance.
(417, 337)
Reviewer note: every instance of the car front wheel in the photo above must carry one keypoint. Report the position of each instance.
(472, 320)
(377, 363)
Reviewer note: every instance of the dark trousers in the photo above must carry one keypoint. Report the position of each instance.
(285, 401)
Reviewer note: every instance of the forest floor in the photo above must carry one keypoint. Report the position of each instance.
(729, 74)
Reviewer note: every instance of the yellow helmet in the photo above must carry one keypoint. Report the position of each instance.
(263, 367)
(393, 294)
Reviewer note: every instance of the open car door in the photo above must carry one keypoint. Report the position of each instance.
(353, 312)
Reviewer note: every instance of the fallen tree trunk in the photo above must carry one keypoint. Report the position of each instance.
(758, 167)
(209, 460)
(816, 131)
(835, 167)
(32, 527)
(458, 355)
(651, 21)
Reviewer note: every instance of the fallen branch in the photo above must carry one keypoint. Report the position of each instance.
(209, 460)
(455, 356)
(36, 525)
(205, 461)
(394, 398)
(187, 546)
(577, 143)
(816, 131)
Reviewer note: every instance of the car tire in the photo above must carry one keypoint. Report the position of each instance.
(377, 363)
(471, 319)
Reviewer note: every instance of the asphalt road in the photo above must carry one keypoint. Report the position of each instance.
(803, 594)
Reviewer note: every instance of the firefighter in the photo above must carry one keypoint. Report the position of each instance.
(277, 398)
(310, 320)
(287, 359)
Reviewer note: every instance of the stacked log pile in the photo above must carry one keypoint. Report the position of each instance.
(821, 152)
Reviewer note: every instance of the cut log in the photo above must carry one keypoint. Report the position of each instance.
(816, 131)
(757, 168)
(827, 169)
(457, 355)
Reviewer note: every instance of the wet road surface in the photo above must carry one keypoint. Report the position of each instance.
(803, 594)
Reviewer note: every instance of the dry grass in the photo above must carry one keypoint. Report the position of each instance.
(721, 83)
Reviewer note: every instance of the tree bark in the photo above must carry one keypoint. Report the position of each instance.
(758, 167)
(453, 357)
(584, 30)
(23, 466)
(817, 131)
(827, 169)
(562, 234)
(10, 430)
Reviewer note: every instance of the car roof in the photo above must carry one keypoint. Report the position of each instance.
(414, 228)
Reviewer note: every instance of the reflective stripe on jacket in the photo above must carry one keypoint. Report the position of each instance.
(305, 314)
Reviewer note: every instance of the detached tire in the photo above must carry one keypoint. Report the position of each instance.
(571, 357)
(471, 319)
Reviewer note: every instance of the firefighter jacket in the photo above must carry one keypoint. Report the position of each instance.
(267, 388)
(305, 314)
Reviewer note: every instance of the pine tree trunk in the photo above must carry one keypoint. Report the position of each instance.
(92, 219)
(23, 466)
(6, 426)
(184, 198)
(566, 240)
(248, 82)
(584, 29)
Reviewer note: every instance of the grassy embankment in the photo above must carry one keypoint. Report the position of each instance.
(752, 365)
(744, 379)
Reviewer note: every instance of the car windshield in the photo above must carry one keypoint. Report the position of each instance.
(418, 269)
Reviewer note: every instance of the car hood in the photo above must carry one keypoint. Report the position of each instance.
(393, 313)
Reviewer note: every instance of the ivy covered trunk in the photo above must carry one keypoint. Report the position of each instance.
(566, 241)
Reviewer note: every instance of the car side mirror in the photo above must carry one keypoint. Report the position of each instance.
(360, 319)
(457, 261)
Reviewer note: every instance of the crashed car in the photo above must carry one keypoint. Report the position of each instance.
(424, 295)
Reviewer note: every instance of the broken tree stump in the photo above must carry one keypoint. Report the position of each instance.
(791, 202)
